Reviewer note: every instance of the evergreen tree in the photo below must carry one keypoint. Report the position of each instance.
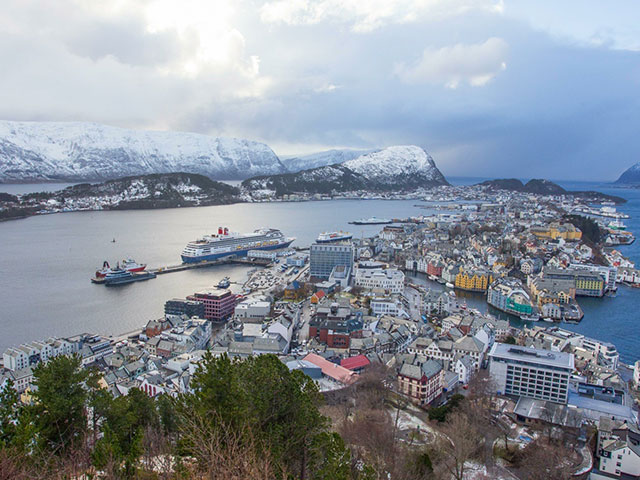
(60, 397)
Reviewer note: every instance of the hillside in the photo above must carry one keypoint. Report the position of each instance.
(138, 192)
(321, 159)
(630, 176)
(547, 187)
(77, 151)
(400, 168)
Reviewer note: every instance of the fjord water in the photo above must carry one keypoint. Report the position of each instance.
(46, 262)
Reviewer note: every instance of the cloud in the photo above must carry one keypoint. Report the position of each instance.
(475, 64)
(368, 15)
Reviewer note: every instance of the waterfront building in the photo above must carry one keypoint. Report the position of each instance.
(587, 283)
(323, 258)
(552, 290)
(527, 372)
(182, 306)
(262, 254)
(508, 295)
(474, 279)
(218, 304)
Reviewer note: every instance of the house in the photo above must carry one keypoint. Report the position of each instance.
(464, 368)
(422, 381)
(355, 364)
(331, 370)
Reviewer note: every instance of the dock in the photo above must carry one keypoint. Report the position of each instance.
(258, 262)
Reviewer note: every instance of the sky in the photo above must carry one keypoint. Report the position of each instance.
(490, 88)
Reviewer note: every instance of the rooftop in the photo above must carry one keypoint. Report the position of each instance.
(528, 354)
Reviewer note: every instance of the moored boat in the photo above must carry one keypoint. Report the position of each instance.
(226, 243)
(128, 265)
(330, 237)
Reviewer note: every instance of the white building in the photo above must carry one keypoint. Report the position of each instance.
(527, 372)
(378, 280)
(252, 309)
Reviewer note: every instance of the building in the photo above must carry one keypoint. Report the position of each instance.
(421, 381)
(324, 257)
(527, 372)
(618, 451)
(379, 280)
(334, 324)
(475, 280)
(252, 310)
(556, 230)
(509, 296)
(587, 283)
(218, 304)
(182, 306)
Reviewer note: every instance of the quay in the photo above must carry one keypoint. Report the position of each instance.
(261, 262)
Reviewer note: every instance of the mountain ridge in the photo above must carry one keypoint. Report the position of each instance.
(398, 168)
(81, 151)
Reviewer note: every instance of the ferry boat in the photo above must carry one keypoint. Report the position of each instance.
(530, 318)
(330, 237)
(128, 265)
(121, 277)
(226, 243)
(372, 221)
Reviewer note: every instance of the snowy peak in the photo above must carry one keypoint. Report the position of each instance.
(631, 175)
(36, 151)
(394, 169)
(322, 159)
(401, 160)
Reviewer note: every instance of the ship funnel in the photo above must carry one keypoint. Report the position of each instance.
(219, 230)
(226, 231)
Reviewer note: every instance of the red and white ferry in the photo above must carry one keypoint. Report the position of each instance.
(128, 265)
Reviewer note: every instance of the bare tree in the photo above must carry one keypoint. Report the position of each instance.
(458, 443)
(545, 462)
(221, 452)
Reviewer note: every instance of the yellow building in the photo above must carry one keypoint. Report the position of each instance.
(477, 281)
(556, 230)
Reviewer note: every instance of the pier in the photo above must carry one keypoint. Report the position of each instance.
(259, 262)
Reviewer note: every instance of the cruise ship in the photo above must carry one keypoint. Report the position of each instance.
(226, 243)
(330, 237)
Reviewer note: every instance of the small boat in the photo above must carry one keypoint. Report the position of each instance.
(113, 241)
(547, 319)
(224, 283)
(449, 285)
(530, 318)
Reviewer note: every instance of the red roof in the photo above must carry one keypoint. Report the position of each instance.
(332, 370)
(353, 363)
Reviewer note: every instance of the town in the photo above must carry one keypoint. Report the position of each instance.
(340, 309)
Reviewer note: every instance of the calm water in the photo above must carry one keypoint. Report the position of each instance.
(46, 263)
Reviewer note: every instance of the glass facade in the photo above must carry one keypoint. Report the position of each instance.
(324, 257)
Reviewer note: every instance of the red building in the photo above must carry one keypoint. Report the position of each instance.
(434, 267)
(218, 305)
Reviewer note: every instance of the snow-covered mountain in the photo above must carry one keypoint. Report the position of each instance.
(630, 175)
(402, 165)
(76, 151)
(400, 168)
(321, 159)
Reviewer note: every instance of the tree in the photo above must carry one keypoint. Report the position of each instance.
(259, 394)
(60, 398)
(9, 414)
(124, 426)
(459, 442)
(545, 462)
